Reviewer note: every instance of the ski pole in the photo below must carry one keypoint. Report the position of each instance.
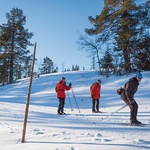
(75, 99)
(115, 111)
(69, 101)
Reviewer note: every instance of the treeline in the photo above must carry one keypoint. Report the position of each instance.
(15, 58)
(118, 42)
(48, 66)
(119, 39)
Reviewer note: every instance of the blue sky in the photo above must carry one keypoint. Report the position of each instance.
(56, 24)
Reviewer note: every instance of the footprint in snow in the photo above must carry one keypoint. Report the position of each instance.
(36, 130)
(87, 134)
(39, 132)
(54, 134)
(100, 139)
(141, 141)
(105, 140)
(65, 133)
(98, 135)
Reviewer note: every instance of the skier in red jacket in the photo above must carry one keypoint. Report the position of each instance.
(60, 89)
(95, 95)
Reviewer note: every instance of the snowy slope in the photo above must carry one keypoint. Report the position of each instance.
(80, 129)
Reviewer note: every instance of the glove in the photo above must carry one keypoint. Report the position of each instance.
(131, 101)
(70, 84)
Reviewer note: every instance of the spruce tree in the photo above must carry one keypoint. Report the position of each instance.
(47, 66)
(108, 62)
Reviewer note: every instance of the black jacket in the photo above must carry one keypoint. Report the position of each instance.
(130, 89)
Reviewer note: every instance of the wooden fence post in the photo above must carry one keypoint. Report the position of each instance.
(28, 98)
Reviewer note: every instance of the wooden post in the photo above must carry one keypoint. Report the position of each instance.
(28, 98)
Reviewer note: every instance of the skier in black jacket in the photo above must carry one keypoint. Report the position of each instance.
(127, 96)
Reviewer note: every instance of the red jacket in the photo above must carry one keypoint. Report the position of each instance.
(95, 90)
(60, 88)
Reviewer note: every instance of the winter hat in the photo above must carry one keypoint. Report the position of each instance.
(63, 78)
(139, 75)
(99, 81)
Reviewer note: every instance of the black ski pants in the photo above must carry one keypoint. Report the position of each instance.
(133, 110)
(95, 104)
(61, 105)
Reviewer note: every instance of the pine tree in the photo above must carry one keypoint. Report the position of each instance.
(4, 63)
(119, 20)
(142, 44)
(3, 68)
(16, 39)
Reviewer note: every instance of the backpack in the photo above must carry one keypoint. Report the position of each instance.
(120, 90)
(91, 87)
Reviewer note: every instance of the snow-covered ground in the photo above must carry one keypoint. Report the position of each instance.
(80, 129)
